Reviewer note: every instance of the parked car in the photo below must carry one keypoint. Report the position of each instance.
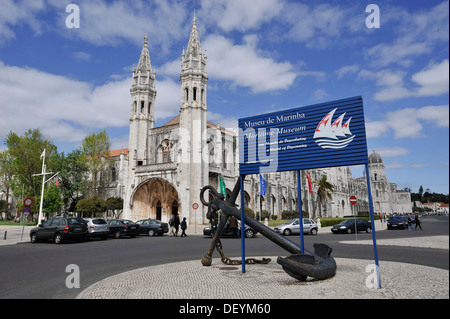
(397, 222)
(152, 227)
(293, 227)
(97, 228)
(60, 229)
(122, 227)
(228, 232)
(348, 226)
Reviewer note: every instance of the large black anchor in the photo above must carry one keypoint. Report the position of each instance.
(319, 265)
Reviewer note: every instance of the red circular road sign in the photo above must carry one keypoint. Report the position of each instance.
(353, 200)
(28, 201)
(195, 206)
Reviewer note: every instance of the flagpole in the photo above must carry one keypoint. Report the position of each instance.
(42, 189)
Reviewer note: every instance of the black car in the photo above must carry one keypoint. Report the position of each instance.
(60, 229)
(152, 227)
(228, 232)
(397, 222)
(122, 227)
(348, 226)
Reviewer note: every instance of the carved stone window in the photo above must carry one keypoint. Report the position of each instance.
(165, 152)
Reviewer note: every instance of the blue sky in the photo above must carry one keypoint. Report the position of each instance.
(263, 56)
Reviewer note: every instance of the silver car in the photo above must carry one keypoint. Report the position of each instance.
(293, 227)
(97, 228)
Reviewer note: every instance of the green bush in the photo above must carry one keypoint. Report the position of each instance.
(248, 211)
(291, 214)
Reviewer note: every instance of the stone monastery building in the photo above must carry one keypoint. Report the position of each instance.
(164, 168)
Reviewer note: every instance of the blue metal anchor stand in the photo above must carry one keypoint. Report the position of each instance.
(373, 227)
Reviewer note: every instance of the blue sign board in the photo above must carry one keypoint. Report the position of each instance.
(322, 135)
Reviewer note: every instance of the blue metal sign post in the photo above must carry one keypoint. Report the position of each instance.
(242, 223)
(375, 251)
(300, 212)
(322, 135)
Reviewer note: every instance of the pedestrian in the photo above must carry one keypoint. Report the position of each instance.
(410, 226)
(417, 222)
(183, 227)
(234, 226)
(171, 222)
(176, 224)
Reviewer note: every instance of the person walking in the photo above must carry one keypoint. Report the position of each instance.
(176, 224)
(234, 226)
(183, 227)
(410, 226)
(418, 222)
(171, 222)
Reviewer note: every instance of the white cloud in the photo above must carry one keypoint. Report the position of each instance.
(66, 109)
(417, 33)
(319, 95)
(376, 128)
(238, 15)
(319, 25)
(167, 102)
(394, 165)
(13, 13)
(432, 80)
(347, 69)
(409, 122)
(244, 65)
(81, 56)
(63, 108)
(438, 115)
(392, 151)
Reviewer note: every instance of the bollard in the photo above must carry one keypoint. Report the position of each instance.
(4, 237)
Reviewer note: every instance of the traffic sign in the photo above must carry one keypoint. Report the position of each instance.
(27, 210)
(195, 206)
(353, 200)
(28, 201)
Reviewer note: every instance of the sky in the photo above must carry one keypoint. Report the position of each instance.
(70, 79)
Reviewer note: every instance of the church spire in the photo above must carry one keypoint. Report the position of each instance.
(144, 64)
(193, 77)
(194, 47)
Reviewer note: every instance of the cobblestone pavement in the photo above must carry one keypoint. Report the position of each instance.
(191, 280)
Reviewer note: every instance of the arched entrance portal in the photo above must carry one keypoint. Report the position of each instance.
(155, 198)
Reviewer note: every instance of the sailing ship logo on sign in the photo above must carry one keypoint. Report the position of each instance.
(334, 136)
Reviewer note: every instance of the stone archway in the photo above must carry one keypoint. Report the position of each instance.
(156, 199)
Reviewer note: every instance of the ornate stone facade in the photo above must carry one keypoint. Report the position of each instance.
(164, 168)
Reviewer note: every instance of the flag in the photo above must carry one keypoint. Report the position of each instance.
(309, 182)
(263, 185)
(222, 186)
(43, 154)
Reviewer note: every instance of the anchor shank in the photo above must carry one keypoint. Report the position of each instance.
(264, 230)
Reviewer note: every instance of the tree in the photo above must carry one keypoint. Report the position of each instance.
(25, 155)
(95, 153)
(90, 206)
(324, 191)
(114, 203)
(52, 199)
(72, 177)
(6, 176)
